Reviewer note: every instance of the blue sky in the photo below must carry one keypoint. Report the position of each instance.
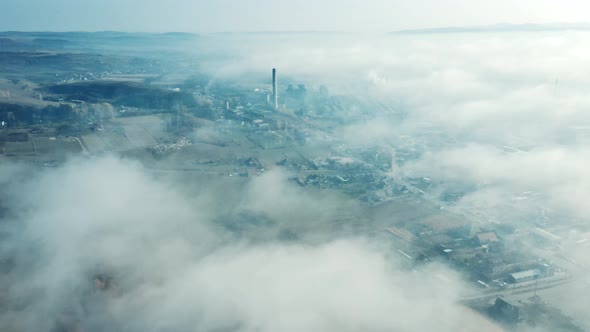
(279, 15)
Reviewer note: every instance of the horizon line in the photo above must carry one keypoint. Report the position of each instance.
(449, 28)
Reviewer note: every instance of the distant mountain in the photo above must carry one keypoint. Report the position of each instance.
(28, 44)
(180, 34)
(97, 34)
(7, 43)
(500, 28)
(280, 32)
(100, 41)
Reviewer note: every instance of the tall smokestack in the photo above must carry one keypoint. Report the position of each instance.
(275, 92)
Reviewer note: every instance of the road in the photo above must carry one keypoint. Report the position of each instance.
(84, 150)
(518, 290)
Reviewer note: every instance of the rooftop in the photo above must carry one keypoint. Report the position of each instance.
(525, 274)
(487, 237)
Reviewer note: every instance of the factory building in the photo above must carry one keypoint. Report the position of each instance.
(505, 312)
(486, 238)
(523, 276)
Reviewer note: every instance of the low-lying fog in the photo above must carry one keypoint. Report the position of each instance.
(515, 103)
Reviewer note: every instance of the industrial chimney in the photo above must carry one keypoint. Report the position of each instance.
(275, 92)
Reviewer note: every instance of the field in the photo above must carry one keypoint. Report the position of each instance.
(127, 133)
(41, 148)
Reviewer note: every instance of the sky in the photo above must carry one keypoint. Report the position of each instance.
(201, 16)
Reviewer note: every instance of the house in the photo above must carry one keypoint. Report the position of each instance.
(505, 312)
(487, 238)
(523, 276)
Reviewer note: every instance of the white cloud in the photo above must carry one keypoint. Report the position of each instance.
(175, 269)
